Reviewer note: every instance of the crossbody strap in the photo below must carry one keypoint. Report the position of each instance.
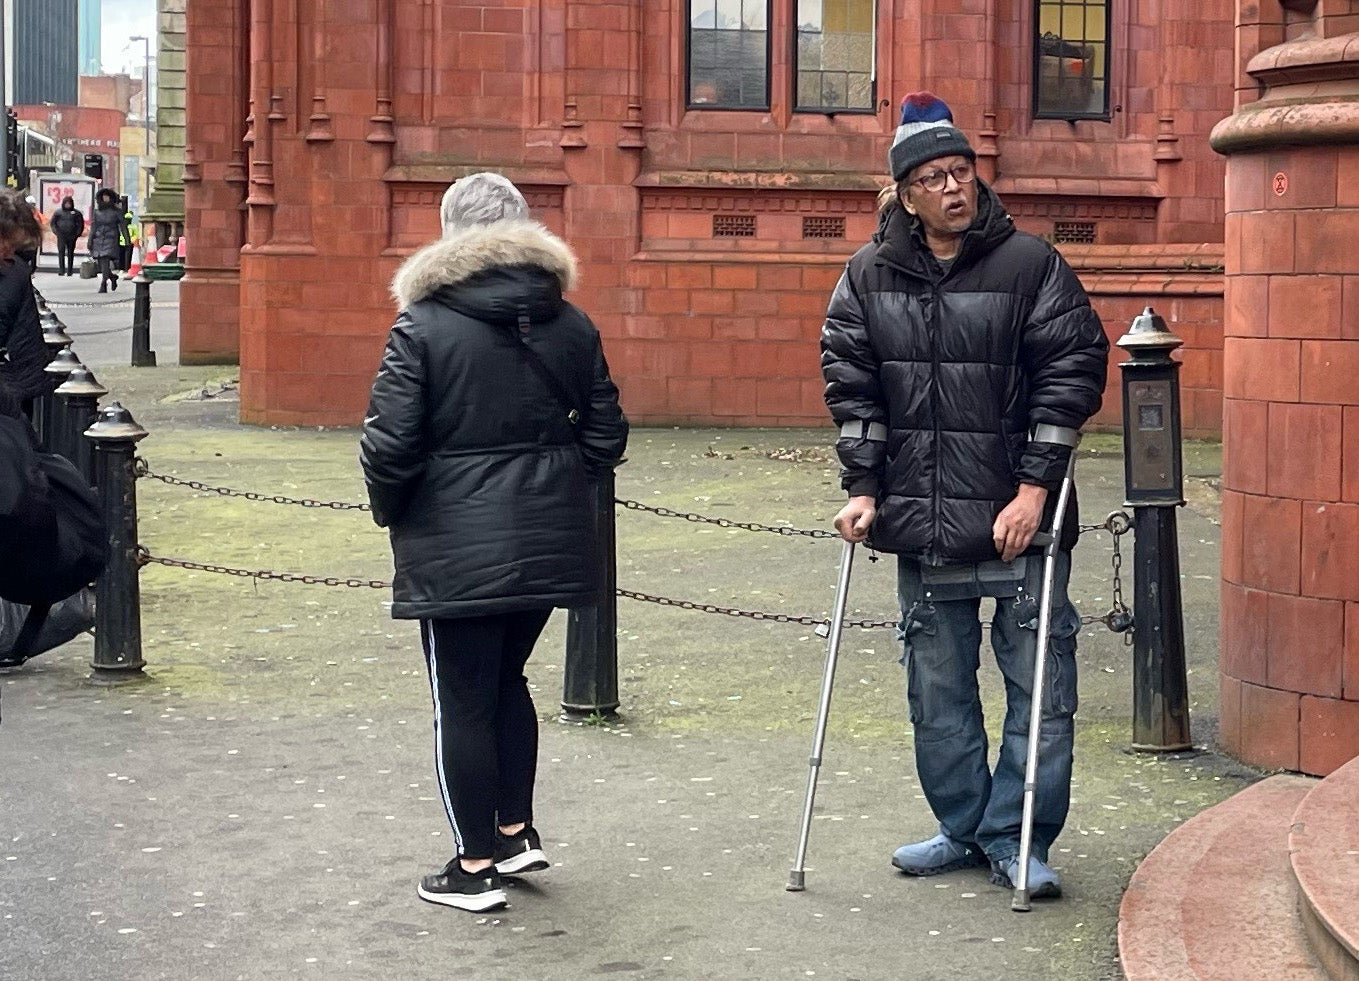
(28, 633)
(540, 367)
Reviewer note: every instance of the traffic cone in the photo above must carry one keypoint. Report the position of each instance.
(134, 268)
(183, 249)
(150, 258)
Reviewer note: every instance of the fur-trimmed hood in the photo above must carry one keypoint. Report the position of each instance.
(484, 248)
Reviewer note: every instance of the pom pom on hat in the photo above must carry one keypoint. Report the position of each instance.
(924, 107)
(926, 133)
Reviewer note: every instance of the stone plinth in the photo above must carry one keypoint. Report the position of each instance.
(1290, 511)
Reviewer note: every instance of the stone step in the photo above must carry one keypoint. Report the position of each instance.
(1217, 901)
(1324, 849)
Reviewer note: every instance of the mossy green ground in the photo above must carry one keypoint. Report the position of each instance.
(674, 824)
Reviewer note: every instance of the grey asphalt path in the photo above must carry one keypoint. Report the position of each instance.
(101, 323)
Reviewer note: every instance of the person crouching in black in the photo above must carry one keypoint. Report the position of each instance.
(491, 414)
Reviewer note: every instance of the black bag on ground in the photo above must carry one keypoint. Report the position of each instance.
(52, 534)
(64, 622)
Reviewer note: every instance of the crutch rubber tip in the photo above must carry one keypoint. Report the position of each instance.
(1019, 903)
(797, 881)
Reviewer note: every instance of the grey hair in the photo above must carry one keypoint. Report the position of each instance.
(480, 199)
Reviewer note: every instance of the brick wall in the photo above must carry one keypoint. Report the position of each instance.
(709, 240)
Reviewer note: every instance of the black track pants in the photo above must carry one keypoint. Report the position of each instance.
(485, 728)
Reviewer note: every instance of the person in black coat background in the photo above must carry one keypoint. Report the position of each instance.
(108, 235)
(67, 224)
(492, 412)
(23, 355)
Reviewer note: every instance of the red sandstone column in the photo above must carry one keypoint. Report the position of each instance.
(214, 181)
(1290, 508)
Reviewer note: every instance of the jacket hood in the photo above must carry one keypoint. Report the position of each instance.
(901, 240)
(493, 252)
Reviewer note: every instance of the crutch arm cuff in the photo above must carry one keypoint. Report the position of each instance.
(863, 429)
(1067, 436)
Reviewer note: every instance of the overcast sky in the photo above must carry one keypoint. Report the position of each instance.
(123, 19)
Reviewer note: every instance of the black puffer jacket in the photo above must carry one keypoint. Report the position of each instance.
(67, 224)
(469, 456)
(959, 367)
(108, 232)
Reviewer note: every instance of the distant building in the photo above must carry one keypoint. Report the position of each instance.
(91, 36)
(46, 52)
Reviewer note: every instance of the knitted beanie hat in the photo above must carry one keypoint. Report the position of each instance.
(926, 132)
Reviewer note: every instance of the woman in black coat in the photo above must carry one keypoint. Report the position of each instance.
(491, 414)
(23, 355)
(108, 235)
(67, 224)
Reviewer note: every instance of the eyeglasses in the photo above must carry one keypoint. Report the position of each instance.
(937, 180)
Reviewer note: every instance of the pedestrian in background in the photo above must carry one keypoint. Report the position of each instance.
(67, 224)
(132, 235)
(491, 415)
(108, 232)
(961, 357)
(23, 355)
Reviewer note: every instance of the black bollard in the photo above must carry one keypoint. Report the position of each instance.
(79, 396)
(48, 413)
(590, 685)
(1154, 477)
(142, 355)
(117, 611)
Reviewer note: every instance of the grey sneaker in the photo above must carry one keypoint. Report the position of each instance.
(1044, 883)
(938, 855)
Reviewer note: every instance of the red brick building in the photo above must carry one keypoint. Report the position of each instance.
(714, 162)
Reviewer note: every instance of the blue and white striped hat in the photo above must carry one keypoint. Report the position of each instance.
(926, 133)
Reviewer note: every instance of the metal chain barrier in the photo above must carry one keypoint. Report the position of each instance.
(143, 469)
(723, 522)
(1119, 619)
(821, 623)
(92, 304)
(145, 558)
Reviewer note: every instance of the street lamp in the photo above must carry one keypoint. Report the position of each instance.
(146, 113)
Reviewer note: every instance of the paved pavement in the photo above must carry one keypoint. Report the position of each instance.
(263, 803)
(101, 323)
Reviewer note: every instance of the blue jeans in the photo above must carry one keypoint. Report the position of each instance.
(942, 644)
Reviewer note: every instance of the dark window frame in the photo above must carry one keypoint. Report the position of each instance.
(1104, 114)
(689, 103)
(870, 110)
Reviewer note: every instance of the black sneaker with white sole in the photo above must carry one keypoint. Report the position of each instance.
(475, 892)
(519, 853)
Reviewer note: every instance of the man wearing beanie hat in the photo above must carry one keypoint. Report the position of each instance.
(961, 357)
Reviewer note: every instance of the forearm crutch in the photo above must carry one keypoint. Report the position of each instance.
(797, 878)
(1020, 901)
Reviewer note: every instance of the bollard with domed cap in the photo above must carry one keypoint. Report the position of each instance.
(117, 612)
(79, 398)
(1154, 477)
(47, 409)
